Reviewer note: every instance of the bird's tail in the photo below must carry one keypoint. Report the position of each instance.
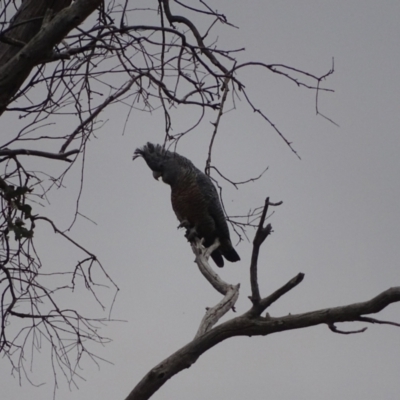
(226, 249)
(217, 257)
(230, 253)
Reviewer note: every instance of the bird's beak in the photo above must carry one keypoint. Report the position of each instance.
(157, 175)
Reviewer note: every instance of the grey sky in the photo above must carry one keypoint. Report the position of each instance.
(339, 224)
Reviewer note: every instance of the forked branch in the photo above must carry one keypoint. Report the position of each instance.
(251, 323)
(247, 325)
(230, 292)
(261, 235)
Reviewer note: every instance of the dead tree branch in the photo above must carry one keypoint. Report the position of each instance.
(261, 235)
(59, 72)
(251, 323)
(17, 69)
(246, 325)
(38, 153)
(230, 292)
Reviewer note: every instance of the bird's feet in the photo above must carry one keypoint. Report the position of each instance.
(184, 224)
(191, 232)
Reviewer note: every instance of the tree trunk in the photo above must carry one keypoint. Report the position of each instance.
(29, 44)
(32, 11)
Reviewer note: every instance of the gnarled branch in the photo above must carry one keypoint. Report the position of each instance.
(255, 326)
(230, 292)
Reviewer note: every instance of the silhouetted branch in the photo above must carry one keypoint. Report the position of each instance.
(250, 325)
(38, 153)
(261, 235)
(96, 112)
(230, 292)
(278, 69)
(180, 19)
(333, 328)
(320, 79)
(263, 304)
(61, 70)
(264, 116)
(236, 184)
(17, 69)
(377, 321)
(216, 124)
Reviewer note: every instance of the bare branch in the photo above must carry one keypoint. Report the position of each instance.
(177, 18)
(38, 153)
(56, 71)
(216, 124)
(320, 79)
(202, 254)
(333, 328)
(377, 321)
(38, 48)
(277, 69)
(96, 112)
(236, 184)
(247, 325)
(261, 235)
(260, 112)
(230, 292)
(263, 304)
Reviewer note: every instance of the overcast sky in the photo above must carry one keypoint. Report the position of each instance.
(339, 224)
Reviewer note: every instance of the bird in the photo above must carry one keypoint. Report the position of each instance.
(194, 199)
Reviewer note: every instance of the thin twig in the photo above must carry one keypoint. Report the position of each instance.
(38, 153)
(333, 328)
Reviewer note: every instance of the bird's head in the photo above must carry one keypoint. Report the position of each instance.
(163, 163)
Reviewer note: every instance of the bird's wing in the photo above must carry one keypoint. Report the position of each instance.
(214, 205)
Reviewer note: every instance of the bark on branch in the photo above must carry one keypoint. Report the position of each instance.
(230, 292)
(261, 235)
(255, 326)
(251, 323)
(40, 47)
(38, 153)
